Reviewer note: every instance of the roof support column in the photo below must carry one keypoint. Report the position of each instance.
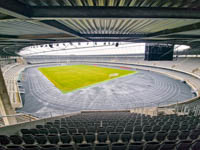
(5, 104)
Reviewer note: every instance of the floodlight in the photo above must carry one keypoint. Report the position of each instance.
(117, 44)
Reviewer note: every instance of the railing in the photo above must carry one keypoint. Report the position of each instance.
(23, 117)
(152, 111)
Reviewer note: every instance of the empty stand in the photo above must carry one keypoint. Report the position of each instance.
(148, 133)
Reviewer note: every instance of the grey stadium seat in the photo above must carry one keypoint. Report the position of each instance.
(138, 136)
(175, 127)
(138, 128)
(183, 135)
(31, 147)
(77, 138)
(161, 135)
(41, 138)
(66, 147)
(4, 140)
(81, 130)
(152, 146)
(102, 136)
(119, 129)
(34, 131)
(16, 139)
(84, 147)
(65, 138)
(62, 130)
(166, 128)
(168, 145)
(172, 135)
(44, 131)
(39, 126)
(149, 136)
(194, 134)
(101, 129)
(125, 136)
(14, 147)
(53, 131)
(25, 131)
(156, 128)
(101, 146)
(147, 128)
(53, 138)
(28, 139)
(136, 146)
(110, 129)
(90, 137)
(72, 130)
(129, 129)
(48, 147)
(196, 145)
(119, 146)
(91, 129)
(114, 136)
(184, 145)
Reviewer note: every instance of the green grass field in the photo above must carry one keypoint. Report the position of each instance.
(69, 78)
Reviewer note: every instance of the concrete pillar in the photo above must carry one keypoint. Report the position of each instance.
(5, 104)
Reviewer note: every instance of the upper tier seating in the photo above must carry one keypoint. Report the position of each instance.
(11, 75)
(188, 64)
(109, 131)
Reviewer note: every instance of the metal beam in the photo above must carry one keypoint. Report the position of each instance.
(42, 37)
(139, 40)
(60, 12)
(182, 36)
(45, 36)
(14, 8)
(169, 33)
(7, 36)
(113, 35)
(191, 27)
(21, 11)
(60, 26)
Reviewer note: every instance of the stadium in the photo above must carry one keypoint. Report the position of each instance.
(99, 75)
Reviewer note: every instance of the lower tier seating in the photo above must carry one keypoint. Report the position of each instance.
(109, 131)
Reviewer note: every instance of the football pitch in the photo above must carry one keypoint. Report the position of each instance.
(73, 77)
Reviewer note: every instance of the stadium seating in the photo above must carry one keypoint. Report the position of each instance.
(11, 75)
(73, 133)
(188, 64)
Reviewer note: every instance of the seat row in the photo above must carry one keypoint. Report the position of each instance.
(96, 129)
(100, 137)
(83, 131)
(125, 116)
(169, 145)
(124, 121)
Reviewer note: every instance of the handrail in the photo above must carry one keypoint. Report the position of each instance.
(27, 117)
(182, 103)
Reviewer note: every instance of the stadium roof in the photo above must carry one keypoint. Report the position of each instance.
(33, 22)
